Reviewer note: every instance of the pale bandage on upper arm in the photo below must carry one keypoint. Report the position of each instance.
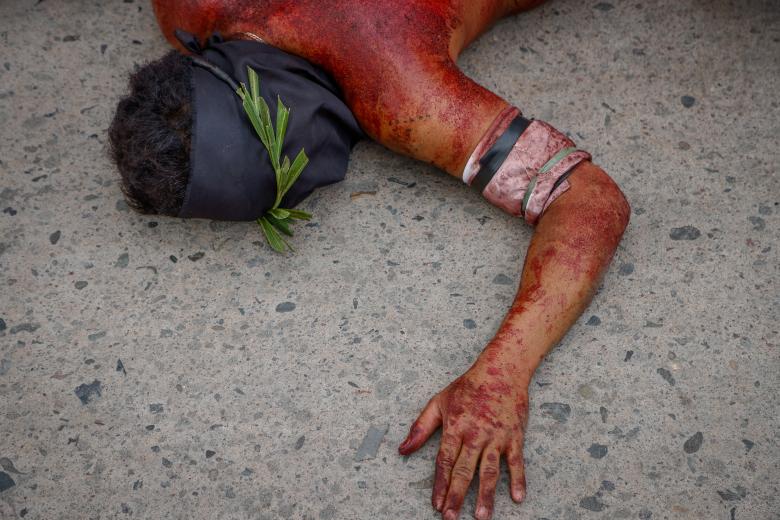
(534, 170)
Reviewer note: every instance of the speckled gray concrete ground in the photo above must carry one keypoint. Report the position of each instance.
(248, 381)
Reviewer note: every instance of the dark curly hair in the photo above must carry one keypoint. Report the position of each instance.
(149, 138)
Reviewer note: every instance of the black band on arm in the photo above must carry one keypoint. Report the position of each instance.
(495, 157)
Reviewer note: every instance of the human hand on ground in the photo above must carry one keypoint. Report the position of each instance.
(483, 414)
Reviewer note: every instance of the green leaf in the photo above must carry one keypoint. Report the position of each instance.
(265, 119)
(298, 214)
(276, 219)
(254, 84)
(282, 117)
(279, 213)
(281, 180)
(256, 124)
(251, 113)
(270, 142)
(272, 235)
(296, 168)
(280, 224)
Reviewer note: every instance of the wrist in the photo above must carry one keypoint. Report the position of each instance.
(504, 360)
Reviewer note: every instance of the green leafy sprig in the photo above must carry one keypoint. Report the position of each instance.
(276, 220)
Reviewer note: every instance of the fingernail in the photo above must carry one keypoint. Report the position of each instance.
(518, 495)
(482, 513)
(450, 514)
(438, 503)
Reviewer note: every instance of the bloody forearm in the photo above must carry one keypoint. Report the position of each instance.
(571, 249)
(483, 412)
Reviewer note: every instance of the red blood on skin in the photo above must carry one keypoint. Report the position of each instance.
(445, 460)
(585, 241)
(480, 401)
(414, 437)
(500, 388)
(455, 410)
(514, 460)
(471, 436)
(394, 60)
(453, 499)
(521, 409)
(440, 484)
(508, 339)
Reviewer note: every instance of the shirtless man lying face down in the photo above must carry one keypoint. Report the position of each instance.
(184, 147)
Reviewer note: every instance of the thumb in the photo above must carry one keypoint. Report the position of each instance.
(427, 423)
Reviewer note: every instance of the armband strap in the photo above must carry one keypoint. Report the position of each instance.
(495, 157)
(522, 177)
(546, 168)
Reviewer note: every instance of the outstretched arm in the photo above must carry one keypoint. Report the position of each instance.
(441, 117)
(483, 413)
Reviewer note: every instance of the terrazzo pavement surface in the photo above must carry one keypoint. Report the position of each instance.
(159, 368)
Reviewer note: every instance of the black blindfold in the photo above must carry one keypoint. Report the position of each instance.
(231, 177)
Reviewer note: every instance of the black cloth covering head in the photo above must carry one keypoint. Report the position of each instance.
(231, 177)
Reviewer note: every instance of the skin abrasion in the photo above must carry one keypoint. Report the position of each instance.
(395, 62)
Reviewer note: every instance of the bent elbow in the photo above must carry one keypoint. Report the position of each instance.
(608, 206)
(606, 197)
(594, 207)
